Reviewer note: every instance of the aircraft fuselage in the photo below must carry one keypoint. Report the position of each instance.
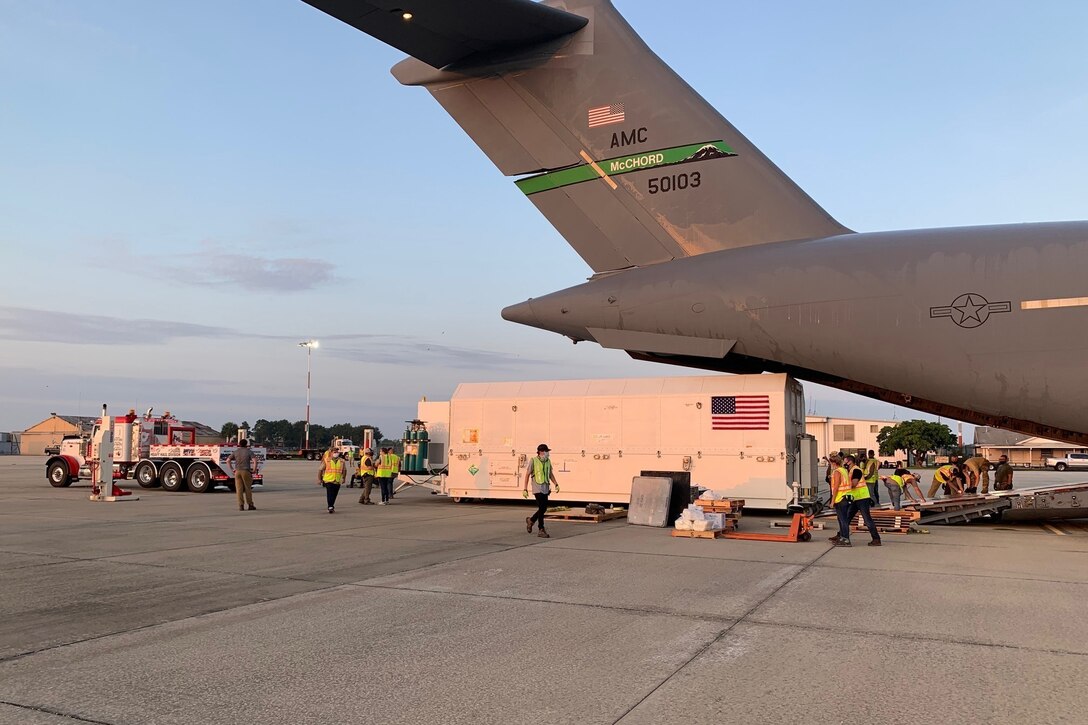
(989, 321)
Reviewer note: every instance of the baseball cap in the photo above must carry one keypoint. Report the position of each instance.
(542, 447)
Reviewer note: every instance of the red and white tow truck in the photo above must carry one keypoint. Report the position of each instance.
(153, 450)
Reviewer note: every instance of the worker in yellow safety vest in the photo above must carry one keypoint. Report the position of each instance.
(870, 468)
(540, 473)
(948, 475)
(388, 465)
(899, 484)
(368, 471)
(894, 483)
(850, 495)
(331, 475)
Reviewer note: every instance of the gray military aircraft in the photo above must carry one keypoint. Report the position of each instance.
(706, 255)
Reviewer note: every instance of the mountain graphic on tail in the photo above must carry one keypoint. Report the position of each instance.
(710, 151)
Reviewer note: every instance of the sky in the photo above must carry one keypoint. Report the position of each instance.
(188, 190)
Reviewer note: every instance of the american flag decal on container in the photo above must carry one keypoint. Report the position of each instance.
(606, 115)
(740, 412)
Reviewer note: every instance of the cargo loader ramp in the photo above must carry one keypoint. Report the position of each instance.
(1066, 501)
(433, 481)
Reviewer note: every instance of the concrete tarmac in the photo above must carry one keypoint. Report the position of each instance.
(178, 608)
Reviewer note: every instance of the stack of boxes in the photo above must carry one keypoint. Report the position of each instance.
(711, 513)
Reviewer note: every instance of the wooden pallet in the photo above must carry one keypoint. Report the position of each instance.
(889, 518)
(581, 515)
(737, 513)
(720, 506)
(700, 534)
(909, 514)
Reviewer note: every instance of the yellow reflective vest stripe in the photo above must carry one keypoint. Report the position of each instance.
(862, 489)
(843, 481)
(368, 466)
(334, 470)
(542, 471)
(944, 473)
(898, 480)
(871, 470)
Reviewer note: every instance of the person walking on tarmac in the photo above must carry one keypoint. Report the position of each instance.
(331, 475)
(870, 469)
(540, 472)
(850, 495)
(368, 471)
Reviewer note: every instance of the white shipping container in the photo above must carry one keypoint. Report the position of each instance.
(737, 434)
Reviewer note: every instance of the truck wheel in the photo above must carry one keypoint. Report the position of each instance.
(58, 475)
(146, 475)
(171, 477)
(1060, 466)
(199, 477)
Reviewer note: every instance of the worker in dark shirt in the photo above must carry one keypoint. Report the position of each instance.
(241, 462)
(1003, 475)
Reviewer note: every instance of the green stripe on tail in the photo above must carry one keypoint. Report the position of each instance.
(625, 165)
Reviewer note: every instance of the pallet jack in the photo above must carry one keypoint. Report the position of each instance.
(800, 530)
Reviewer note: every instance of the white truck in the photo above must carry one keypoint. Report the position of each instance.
(1069, 460)
(153, 450)
(742, 435)
(346, 447)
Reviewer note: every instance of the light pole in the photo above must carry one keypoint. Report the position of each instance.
(309, 345)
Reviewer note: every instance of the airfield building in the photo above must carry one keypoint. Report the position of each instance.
(51, 431)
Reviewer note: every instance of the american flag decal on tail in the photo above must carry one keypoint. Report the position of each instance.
(740, 412)
(606, 115)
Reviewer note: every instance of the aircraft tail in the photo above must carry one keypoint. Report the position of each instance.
(628, 163)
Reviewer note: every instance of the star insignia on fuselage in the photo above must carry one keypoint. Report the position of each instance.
(970, 310)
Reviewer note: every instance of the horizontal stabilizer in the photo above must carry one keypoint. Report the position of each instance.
(440, 32)
(662, 344)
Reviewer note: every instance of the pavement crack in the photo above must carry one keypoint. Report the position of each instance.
(721, 635)
(20, 655)
(51, 711)
(909, 637)
(559, 545)
(957, 574)
(587, 605)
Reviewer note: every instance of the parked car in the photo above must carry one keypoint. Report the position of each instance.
(1071, 460)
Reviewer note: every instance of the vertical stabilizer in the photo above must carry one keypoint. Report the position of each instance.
(629, 164)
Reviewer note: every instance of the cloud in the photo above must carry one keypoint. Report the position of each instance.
(22, 324)
(391, 350)
(214, 266)
(260, 275)
(27, 325)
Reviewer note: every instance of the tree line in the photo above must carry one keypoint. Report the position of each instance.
(917, 437)
(285, 434)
